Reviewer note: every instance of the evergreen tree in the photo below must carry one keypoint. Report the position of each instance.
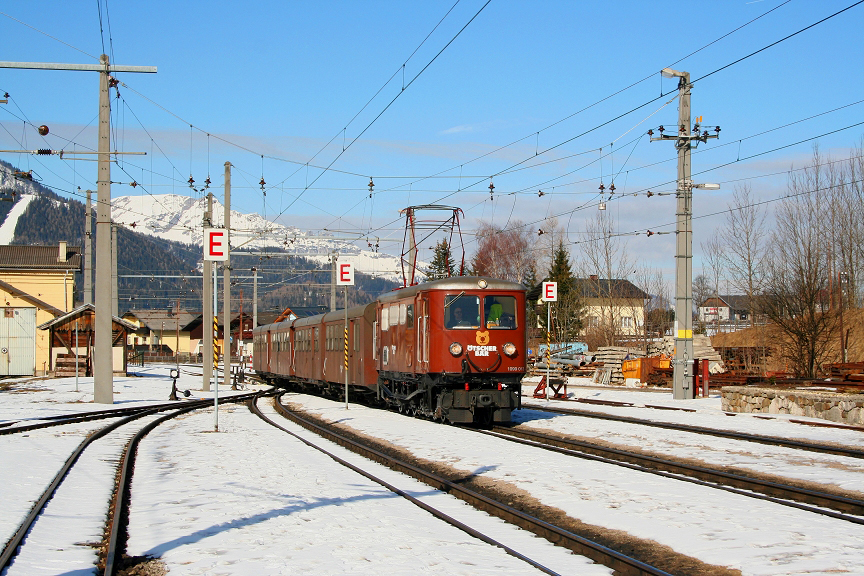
(442, 265)
(567, 311)
(560, 271)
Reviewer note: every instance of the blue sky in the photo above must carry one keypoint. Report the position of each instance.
(281, 79)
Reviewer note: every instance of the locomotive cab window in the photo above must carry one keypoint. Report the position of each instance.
(500, 312)
(461, 311)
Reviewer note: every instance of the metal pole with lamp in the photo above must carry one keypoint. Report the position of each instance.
(685, 139)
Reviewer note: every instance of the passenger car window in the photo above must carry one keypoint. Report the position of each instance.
(385, 318)
(500, 312)
(461, 311)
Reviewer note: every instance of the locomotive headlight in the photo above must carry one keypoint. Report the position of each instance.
(509, 349)
(456, 349)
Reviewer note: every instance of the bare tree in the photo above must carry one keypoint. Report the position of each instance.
(713, 267)
(606, 256)
(505, 254)
(658, 311)
(796, 296)
(743, 245)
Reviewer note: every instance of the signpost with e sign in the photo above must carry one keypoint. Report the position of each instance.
(216, 244)
(550, 294)
(345, 277)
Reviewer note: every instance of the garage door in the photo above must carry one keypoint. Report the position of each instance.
(18, 342)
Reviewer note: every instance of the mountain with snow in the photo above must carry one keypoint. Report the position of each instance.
(180, 218)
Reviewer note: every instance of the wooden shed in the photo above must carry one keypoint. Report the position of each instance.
(75, 332)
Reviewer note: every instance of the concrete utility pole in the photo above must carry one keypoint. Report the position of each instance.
(103, 370)
(207, 302)
(685, 140)
(88, 252)
(226, 299)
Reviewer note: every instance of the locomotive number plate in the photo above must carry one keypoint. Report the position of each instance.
(515, 369)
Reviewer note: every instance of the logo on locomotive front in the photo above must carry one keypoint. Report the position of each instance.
(482, 348)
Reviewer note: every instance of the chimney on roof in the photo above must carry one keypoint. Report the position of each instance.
(61, 254)
(593, 277)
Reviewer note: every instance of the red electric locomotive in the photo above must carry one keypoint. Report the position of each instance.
(452, 350)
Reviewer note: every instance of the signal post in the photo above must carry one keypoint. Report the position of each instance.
(215, 250)
(550, 294)
(345, 278)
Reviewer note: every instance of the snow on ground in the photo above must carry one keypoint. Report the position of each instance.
(7, 230)
(251, 500)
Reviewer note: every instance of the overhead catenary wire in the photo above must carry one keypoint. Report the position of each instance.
(596, 127)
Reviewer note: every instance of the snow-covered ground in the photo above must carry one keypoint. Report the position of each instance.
(252, 499)
(7, 229)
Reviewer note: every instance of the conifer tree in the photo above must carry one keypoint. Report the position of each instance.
(561, 272)
(442, 265)
(567, 311)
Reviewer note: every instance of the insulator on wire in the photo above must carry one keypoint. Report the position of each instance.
(44, 151)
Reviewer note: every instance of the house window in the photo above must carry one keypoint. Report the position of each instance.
(627, 322)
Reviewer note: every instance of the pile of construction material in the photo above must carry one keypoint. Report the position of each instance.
(611, 358)
(702, 350)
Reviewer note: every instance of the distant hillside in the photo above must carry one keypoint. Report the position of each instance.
(284, 281)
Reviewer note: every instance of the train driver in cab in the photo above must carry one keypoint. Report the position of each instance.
(458, 319)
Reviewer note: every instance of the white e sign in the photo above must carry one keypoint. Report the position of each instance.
(550, 292)
(345, 274)
(216, 244)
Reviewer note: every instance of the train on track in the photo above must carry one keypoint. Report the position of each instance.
(453, 350)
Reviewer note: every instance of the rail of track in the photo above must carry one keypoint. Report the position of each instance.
(120, 497)
(842, 508)
(63, 419)
(621, 563)
(771, 440)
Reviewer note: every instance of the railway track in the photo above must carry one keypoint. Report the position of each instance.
(842, 508)
(115, 539)
(770, 440)
(621, 563)
(63, 419)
